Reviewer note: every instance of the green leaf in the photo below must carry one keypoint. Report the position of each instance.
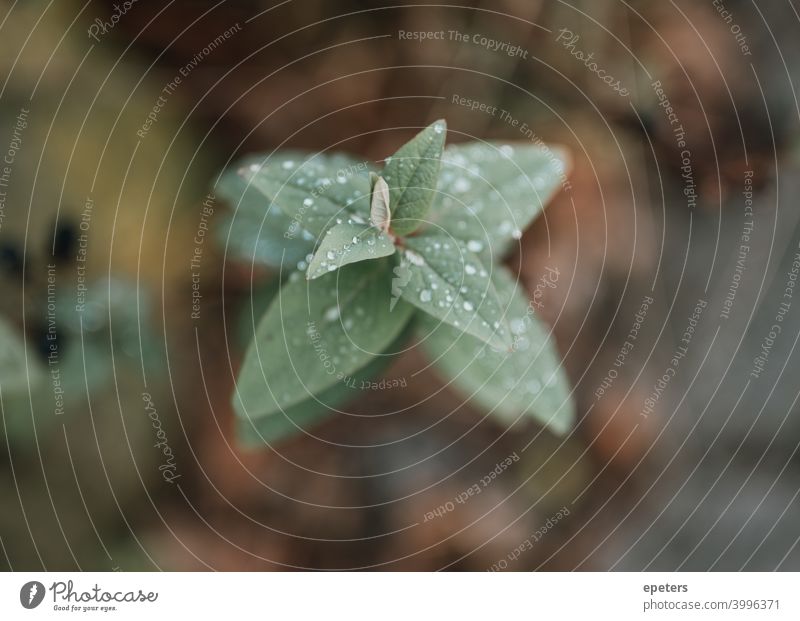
(22, 388)
(301, 416)
(412, 174)
(13, 369)
(348, 243)
(315, 191)
(489, 193)
(448, 281)
(314, 334)
(529, 380)
(255, 231)
(252, 309)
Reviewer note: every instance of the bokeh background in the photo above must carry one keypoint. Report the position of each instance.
(94, 197)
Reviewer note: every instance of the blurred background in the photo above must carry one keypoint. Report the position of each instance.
(676, 244)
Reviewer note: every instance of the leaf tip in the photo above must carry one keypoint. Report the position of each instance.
(439, 128)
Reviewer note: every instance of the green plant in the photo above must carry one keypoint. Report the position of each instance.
(368, 259)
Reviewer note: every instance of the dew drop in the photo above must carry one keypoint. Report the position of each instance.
(462, 185)
(425, 296)
(469, 307)
(474, 245)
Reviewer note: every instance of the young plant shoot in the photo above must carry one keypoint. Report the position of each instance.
(371, 259)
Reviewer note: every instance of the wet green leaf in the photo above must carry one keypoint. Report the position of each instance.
(315, 191)
(314, 334)
(256, 231)
(346, 243)
(527, 381)
(302, 416)
(412, 173)
(449, 282)
(489, 193)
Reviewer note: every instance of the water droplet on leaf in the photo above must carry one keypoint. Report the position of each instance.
(331, 314)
